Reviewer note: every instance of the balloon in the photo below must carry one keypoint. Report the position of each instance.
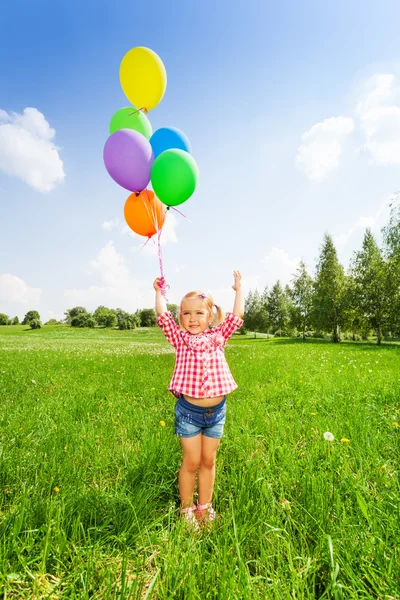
(167, 138)
(131, 118)
(144, 213)
(128, 158)
(143, 77)
(174, 176)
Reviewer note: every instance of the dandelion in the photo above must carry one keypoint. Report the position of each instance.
(383, 468)
(328, 436)
(313, 414)
(56, 490)
(152, 389)
(345, 440)
(395, 423)
(162, 423)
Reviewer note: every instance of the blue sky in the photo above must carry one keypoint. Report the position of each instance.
(292, 110)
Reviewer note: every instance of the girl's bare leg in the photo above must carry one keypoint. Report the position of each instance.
(191, 462)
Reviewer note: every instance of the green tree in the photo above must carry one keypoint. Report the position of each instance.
(174, 310)
(148, 317)
(301, 292)
(105, 317)
(35, 324)
(83, 319)
(391, 239)
(125, 320)
(15, 321)
(329, 286)
(254, 312)
(4, 319)
(32, 314)
(369, 272)
(73, 312)
(277, 308)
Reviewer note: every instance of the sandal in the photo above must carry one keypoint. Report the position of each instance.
(189, 516)
(209, 514)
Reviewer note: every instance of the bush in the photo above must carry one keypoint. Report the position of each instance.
(83, 320)
(53, 322)
(35, 324)
(281, 333)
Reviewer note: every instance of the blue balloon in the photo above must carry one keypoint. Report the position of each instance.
(168, 138)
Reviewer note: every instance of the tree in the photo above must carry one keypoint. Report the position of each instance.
(174, 310)
(35, 324)
(73, 312)
(32, 314)
(148, 317)
(254, 312)
(301, 293)
(105, 317)
(4, 319)
(52, 322)
(127, 321)
(83, 319)
(329, 285)
(277, 308)
(369, 272)
(391, 238)
(15, 321)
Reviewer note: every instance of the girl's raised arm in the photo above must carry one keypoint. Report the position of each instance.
(161, 305)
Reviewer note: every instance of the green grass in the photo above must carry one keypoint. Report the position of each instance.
(88, 472)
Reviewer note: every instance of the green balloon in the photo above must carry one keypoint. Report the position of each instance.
(131, 118)
(174, 176)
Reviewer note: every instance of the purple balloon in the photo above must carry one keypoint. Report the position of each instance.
(128, 158)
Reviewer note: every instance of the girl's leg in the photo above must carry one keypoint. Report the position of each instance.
(191, 447)
(209, 447)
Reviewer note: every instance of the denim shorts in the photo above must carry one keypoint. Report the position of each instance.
(190, 420)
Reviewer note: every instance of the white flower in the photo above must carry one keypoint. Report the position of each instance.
(329, 436)
(34, 382)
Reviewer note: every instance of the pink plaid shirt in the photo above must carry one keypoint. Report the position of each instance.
(201, 370)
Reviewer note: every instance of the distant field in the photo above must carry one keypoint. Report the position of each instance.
(89, 461)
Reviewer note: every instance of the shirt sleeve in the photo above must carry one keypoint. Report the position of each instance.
(170, 329)
(230, 325)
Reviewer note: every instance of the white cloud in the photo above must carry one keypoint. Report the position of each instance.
(14, 291)
(280, 266)
(379, 113)
(107, 225)
(375, 223)
(322, 146)
(27, 150)
(118, 289)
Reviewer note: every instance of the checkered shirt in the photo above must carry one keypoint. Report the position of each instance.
(201, 370)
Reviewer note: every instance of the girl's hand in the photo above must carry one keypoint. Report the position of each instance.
(158, 284)
(237, 280)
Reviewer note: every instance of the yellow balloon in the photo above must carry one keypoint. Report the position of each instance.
(143, 77)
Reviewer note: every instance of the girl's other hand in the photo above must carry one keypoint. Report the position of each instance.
(237, 280)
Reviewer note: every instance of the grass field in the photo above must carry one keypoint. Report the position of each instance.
(89, 461)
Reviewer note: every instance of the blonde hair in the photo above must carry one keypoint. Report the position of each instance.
(213, 309)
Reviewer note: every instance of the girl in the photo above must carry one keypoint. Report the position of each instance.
(200, 381)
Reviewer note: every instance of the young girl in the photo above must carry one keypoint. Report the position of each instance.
(200, 381)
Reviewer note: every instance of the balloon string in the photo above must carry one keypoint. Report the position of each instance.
(138, 110)
(141, 247)
(163, 285)
(178, 211)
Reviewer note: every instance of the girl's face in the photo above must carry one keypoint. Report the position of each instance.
(194, 316)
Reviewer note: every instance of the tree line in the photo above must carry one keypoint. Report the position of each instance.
(364, 299)
(78, 316)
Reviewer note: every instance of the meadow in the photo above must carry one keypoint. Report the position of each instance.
(89, 462)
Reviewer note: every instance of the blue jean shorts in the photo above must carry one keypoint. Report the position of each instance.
(190, 420)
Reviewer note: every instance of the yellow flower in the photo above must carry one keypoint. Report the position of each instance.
(162, 423)
(56, 490)
(345, 440)
(395, 423)
(383, 468)
(313, 414)
(153, 389)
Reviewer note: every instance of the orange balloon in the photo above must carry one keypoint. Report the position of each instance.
(144, 213)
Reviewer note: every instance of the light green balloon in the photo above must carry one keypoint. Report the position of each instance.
(174, 176)
(131, 118)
